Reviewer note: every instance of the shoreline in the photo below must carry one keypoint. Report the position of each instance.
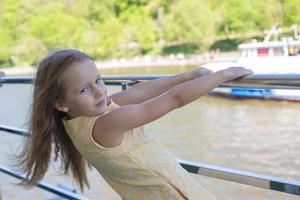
(177, 60)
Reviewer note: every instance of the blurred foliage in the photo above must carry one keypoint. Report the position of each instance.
(228, 44)
(249, 15)
(190, 21)
(291, 12)
(125, 28)
(188, 48)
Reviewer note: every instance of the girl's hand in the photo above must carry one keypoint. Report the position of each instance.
(232, 73)
(201, 71)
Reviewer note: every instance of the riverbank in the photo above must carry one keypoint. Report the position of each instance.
(143, 61)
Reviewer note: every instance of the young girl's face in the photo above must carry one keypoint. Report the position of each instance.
(85, 92)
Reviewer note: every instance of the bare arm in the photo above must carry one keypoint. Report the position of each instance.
(146, 90)
(108, 130)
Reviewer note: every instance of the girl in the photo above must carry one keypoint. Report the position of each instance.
(71, 108)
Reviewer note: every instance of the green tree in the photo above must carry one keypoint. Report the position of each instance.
(291, 12)
(28, 51)
(138, 22)
(190, 21)
(249, 16)
(57, 30)
(103, 39)
(6, 42)
(9, 28)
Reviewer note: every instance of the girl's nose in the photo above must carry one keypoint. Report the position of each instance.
(99, 91)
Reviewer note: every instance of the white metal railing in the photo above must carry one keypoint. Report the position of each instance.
(276, 81)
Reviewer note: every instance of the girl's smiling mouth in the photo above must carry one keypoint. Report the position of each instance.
(100, 103)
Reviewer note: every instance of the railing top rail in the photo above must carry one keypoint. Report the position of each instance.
(275, 81)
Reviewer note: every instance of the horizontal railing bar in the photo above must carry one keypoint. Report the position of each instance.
(16, 80)
(275, 81)
(248, 178)
(30, 80)
(45, 186)
(14, 130)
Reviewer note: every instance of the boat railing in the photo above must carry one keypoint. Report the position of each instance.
(276, 48)
(274, 81)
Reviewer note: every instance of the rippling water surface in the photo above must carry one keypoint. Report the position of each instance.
(246, 134)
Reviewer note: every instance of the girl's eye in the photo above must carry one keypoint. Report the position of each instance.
(98, 81)
(85, 90)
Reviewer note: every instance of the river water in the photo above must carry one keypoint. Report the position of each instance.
(245, 134)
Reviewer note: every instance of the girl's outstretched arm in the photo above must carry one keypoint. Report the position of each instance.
(108, 130)
(146, 90)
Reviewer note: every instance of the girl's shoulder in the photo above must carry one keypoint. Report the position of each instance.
(81, 131)
(79, 124)
(85, 123)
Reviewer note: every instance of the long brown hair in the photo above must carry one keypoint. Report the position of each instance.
(45, 123)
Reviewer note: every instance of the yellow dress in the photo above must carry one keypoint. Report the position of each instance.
(139, 168)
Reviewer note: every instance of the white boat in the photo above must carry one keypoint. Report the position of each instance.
(268, 57)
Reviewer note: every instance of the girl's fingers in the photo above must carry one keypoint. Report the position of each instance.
(236, 72)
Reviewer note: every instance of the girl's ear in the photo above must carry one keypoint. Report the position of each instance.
(58, 105)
